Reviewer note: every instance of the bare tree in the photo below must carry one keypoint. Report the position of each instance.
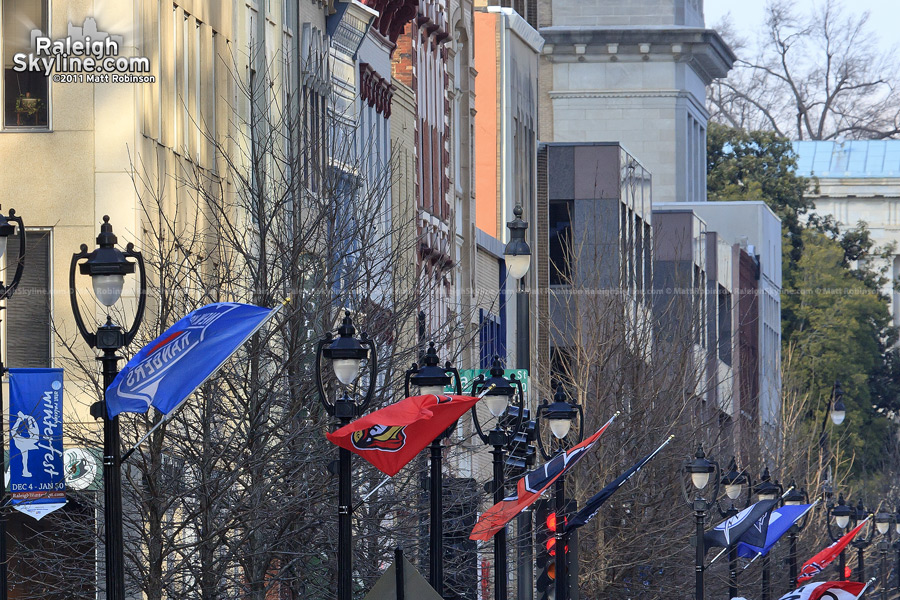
(820, 76)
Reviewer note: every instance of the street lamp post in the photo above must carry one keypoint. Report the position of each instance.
(841, 514)
(700, 470)
(432, 379)
(560, 415)
(498, 392)
(883, 521)
(861, 543)
(346, 353)
(6, 292)
(795, 497)
(517, 256)
(734, 482)
(107, 266)
(767, 490)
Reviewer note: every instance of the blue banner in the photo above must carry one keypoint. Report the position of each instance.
(37, 481)
(171, 367)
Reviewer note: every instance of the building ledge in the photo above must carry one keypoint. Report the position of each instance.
(703, 49)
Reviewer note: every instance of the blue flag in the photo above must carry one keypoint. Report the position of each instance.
(37, 481)
(171, 367)
(779, 523)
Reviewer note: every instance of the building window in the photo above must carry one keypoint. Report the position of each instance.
(724, 325)
(26, 95)
(560, 225)
(28, 311)
(492, 338)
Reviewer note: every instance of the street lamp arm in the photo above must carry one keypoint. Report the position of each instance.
(142, 292)
(8, 291)
(373, 369)
(89, 337)
(537, 431)
(329, 406)
(474, 391)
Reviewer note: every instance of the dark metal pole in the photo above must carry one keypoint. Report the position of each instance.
(842, 567)
(399, 575)
(792, 558)
(499, 539)
(732, 572)
(112, 487)
(562, 539)
(765, 578)
(3, 498)
(884, 573)
(345, 539)
(524, 526)
(700, 516)
(861, 563)
(436, 535)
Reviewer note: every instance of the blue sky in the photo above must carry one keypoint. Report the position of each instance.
(747, 16)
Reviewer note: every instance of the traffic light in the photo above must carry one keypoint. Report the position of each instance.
(545, 559)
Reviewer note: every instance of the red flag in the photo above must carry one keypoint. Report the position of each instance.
(840, 590)
(530, 487)
(391, 437)
(820, 561)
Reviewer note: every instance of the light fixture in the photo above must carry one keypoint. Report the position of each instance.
(838, 410)
(517, 253)
(106, 266)
(560, 414)
(346, 353)
(734, 480)
(700, 469)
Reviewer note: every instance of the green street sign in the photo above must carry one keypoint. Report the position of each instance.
(467, 376)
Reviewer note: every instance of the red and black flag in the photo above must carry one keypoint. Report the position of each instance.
(391, 437)
(530, 487)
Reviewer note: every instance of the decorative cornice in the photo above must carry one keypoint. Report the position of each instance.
(375, 90)
(703, 49)
(393, 15)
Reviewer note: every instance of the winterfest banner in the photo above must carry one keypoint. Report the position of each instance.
(37, 480)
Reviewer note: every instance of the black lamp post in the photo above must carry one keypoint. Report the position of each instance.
(432, 379)
(559, 416)
(517, 256)
(499, 391)
(861, 543)
(883, 522)
(107, 266)
(897, 545)
(6, 292)
(795, 497)
(700, 471)
(837, 411)
(841, 514)
(767, 490)
(734, 482)
(346, 353)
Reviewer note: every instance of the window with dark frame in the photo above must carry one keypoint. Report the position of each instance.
(28, 336)
(26, 94)
(560, 243)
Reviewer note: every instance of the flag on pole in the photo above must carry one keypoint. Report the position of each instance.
(820, 561)
(392, 436)
(780, 521)
(828, 590)
(168, 369)
(751, 522)
(530, 487)
(593, 505)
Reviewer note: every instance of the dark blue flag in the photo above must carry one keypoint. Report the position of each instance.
(593, 505)
(750, 524)
(37, 481)
(780, 521)
(171, 367)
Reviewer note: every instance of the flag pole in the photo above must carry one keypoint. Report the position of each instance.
(175, 408)
(366, 497)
